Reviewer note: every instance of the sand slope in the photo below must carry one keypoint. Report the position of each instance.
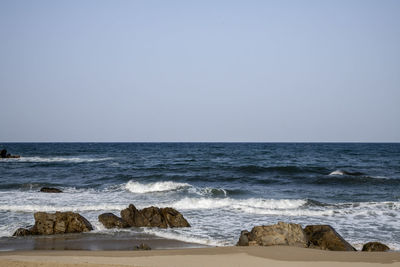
(219, 257)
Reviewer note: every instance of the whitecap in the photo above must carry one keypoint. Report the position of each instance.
(56, 159)
(142, 188)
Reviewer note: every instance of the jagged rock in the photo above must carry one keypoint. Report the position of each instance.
(142, 246)
(174, 218)
(56, 223)
(153, 217)
(289, 234)
(50, 190)
(110, 220)
(134, 217)
(326, 238)
(23, 232)
(375, 246)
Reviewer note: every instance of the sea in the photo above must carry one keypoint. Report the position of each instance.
(220, 188)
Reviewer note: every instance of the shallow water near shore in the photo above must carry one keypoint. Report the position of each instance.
(221, 188)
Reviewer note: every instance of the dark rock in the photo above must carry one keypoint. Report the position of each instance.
(134, 217)
(153, 217)
(5, 155)
(243, 239)
(110, 220)
(375, 246)
(326, 238)
(50, 190)
(23, 232)
(289, 234)
(143, 246)
(174, 218)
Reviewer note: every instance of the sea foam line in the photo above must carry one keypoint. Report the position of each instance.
(56, 159)
(139, 188)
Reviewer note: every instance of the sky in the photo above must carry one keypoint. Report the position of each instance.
(200, 71)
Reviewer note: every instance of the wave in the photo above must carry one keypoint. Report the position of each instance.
(210, 203)
(186, 237)
(52, 208)
(139, 188)
(341, 172)
(56, 159)
(255, 169)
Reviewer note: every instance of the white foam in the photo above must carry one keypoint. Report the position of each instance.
(56, 159)
(337, 172)
(240, 204)
(139, 188)
(190, 238)
(52, 208)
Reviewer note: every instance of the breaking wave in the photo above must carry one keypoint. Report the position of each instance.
(139, 188)
(56, 159)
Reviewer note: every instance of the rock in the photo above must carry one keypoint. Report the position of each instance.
(153, 217)
(110, 220)
(134, 217)
(243, 239)
(375, 246)
(56, 223)
(143, 246)
(326, 238)
(50, 190)
(289, 234)
(174, 218)
(23, 232)
(5, 155)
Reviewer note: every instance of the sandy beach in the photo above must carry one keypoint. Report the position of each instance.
(218, 256)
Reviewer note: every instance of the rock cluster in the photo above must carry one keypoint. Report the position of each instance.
(5, 155)
(56, 223)
(147, 217)
(312, 236)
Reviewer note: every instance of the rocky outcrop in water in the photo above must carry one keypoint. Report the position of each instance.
(56, 223)
(375, 246)
(4, 155)
(110, 220)
(289, 234)
(50, 190)
(326, 238)
(153, 217)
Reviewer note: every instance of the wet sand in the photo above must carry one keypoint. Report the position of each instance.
(196, 257)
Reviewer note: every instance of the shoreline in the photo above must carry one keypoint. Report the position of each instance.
(215, 256)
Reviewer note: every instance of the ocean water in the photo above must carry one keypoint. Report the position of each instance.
(220, 188)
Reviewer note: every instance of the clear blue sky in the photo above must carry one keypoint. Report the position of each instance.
(200, 71)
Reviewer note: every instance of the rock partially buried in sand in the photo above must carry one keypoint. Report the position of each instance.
(142, 246)
(288, 234)
(153, 217)
(375, 246)
(326, 238)
(110, 220)
(50, 190)
(56, 223)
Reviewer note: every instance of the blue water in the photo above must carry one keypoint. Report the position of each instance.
(221, 188)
